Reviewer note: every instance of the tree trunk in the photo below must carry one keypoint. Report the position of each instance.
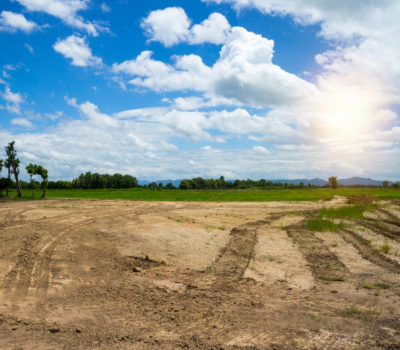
(19, 195)
(44, 190)
(33, 188)
(9, 177)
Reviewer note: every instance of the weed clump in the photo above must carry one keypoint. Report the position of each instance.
(361, 199)
(376, 286)
(324, 225)
(385, 248)
(350, 212)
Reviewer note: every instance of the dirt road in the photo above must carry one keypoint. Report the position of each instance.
(146, 275)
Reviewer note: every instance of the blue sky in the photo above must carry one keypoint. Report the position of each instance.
(173, 89)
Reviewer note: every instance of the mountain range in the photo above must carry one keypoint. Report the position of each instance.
(316, 181)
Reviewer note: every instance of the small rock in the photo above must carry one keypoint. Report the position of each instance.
(136, 269)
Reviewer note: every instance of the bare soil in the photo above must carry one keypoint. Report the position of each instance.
(82, 274)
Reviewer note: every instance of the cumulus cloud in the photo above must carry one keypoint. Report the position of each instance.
(244, 72)
(213, 30)
(66, 10)
(168, 26)
(362, 33)
(77, 49)
(11, 22)
(172, 26)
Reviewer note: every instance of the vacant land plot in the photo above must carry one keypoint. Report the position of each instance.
(81, 274)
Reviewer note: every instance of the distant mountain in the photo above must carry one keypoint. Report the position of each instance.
(316, 181)
(361, 181)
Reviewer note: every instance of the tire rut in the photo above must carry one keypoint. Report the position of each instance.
(324, 264)
(235, 257)
(391, 218)
(368, 252)
(380, 228)
(31, 271)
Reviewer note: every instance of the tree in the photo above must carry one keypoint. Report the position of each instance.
(43, 173)
(12, 162)
(31, 169)
(385, 184)
(333, 182)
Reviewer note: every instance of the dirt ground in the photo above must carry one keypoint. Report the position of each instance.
(82, 274)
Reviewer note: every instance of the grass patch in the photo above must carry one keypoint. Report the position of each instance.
(324, 225)
(332, 278)
(143, 194)
(366, 314)
(385, 248)
(350, 212)
(376, 286)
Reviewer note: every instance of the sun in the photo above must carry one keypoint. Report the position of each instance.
(347, 111)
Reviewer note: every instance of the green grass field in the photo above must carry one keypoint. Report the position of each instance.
(140, 194)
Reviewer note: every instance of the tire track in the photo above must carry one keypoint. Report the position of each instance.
(235, 257)
(32, 268)
(391, 218)
(368, 252)
(324, 264)
(40, 274)
(383, 230)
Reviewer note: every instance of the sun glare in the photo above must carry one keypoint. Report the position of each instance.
(347, 112)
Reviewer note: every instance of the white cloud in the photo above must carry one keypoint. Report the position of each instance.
(244, 72)
(14, 100)
(139, 142)
(168, 26)
(29, 47)
(11, 22)
(54, 116)
(66, 10)
(362, 33)
(105, 8)
(77, 49)
(22, 122)
(213, 30)
(261, 149)
(172, 26)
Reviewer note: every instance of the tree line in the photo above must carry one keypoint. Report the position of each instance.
(199, 183)
(96, 181)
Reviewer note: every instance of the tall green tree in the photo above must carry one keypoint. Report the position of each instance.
(333, 182)
(31, 169)
(13, 163)
(43, 173)
(8, 167)
(385, 184)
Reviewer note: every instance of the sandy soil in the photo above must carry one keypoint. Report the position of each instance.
(147, 275)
